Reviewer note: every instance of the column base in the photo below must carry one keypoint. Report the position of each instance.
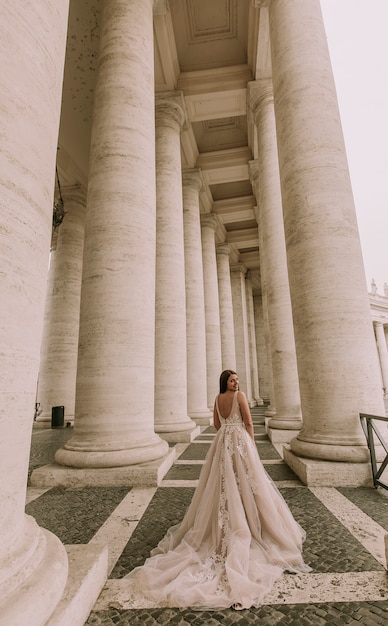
(183, 436)
(201, 418)
(42, 581)
(270, 411)
(279, 435)
(141, 475)
(318, 473)
(88, 572)
(281, 423)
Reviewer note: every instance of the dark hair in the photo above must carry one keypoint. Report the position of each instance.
(224, 379)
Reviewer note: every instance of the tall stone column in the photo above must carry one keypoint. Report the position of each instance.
(171, 419)
(338, 377)
(114, 413)
(59, 352)
(383, 354)
(238, 273)
(228, 347)
(252, 342)
(266, 185)
(261, 350)
(195, 300)
(33, 562)
(212, 307)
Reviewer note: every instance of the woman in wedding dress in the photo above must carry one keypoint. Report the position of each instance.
(238, 535)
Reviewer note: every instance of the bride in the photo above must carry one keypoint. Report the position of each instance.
(238, 535)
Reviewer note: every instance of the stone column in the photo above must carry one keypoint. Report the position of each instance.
(264, 174)
(195, 300)
(228, 347)
(114, 413)
(171, 419)
(33, 562)
(261, 351)
(338, 376)
(238, 273)
(59, 352)
(252, 342)
(212, 307)
(383, 354)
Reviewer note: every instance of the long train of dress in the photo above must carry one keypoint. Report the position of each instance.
(237, 537)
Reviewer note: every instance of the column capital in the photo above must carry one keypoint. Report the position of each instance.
(170, 109)
(209, 219)
(259, 4)
(239, 267)
(253, 169)
(224, 248)
(193, 179)
(260, 93)
(377, 324)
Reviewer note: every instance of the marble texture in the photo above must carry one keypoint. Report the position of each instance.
(228, 347)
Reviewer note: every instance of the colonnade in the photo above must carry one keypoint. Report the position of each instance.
(150, 259)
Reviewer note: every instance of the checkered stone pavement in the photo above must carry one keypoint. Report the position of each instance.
(344, 545)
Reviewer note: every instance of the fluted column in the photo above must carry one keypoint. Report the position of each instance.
(212, 307)
(170, 319)
(238, 273)
(58, 362)
(252, 342)
(195, 300)
(228, 347)
(338, 376)
(383, 354)
(33, 562)
(114, 413)
(261, 350)
(266, 185)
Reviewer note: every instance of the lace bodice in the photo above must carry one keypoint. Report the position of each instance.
(234, 416)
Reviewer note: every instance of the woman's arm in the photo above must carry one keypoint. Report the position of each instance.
(216, 419)
(246, 413)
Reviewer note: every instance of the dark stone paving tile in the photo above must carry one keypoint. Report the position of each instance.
(44, 444)
(329, 546)
(281, 472)
(75, 515)
(195, 452)
(183, 472)
(373, 502)
(267, 451)
(336, 614)
(166, 508)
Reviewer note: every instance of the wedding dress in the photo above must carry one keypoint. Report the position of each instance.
(237, 537)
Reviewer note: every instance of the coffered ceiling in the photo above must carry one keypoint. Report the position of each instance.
(209, 50)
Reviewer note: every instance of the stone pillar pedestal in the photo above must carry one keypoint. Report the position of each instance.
(266, 184)
(171, 419)
(238, 273)
(114, 414)
(33, 562)
(228, 347)
(252, 343)
(338, 376)
(212, 308)
(195, 300)
(383, 354)
(59, 352)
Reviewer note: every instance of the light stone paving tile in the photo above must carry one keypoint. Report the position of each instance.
(34, 492)
(120, 525)
(179, 483)
(180, 448)
(361, 526)
(289, 589)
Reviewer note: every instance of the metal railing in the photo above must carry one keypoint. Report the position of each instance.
(370, 429)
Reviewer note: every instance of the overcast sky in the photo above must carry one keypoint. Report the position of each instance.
(358, 43)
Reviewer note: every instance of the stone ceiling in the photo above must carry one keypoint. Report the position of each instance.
(209, 50)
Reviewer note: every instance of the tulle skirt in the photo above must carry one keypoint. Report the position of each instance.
(237, 537)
